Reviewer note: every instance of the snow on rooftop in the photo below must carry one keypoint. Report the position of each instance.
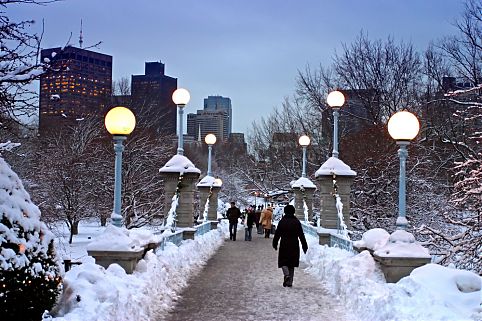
(179, 164)
(303, 181)
(335, 166)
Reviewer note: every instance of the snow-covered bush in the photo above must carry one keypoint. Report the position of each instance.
(29, 273)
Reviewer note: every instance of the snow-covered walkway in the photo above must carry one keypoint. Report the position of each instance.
(242, 282)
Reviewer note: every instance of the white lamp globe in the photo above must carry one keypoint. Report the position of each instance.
(218, 182)
(304, 140)
(335, 99)
(120, 121)
(403, 125)
(181, 96)
(210, 139)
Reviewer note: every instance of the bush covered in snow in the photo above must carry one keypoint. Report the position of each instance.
(29, 273)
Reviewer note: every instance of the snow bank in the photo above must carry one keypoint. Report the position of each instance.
(373, 239)
(431, 292)
(94, 293)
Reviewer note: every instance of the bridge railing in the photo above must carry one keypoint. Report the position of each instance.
(330, 237)
(202, 228)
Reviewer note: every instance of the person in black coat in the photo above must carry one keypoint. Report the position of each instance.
(233, 215)
(289, 230)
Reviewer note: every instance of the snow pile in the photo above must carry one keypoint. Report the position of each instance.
(94, 293)
(373, 239)
(179, 164)
(402, 244)
(431, 292)
(334, 166)
(121, 239)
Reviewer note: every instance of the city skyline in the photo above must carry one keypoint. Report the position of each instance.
(248, 51)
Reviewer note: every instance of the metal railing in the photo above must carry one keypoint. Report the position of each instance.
(309, 229)
(175, 238)
(202, 228)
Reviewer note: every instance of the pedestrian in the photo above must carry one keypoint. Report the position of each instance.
(257, 216)
(233, 215)
(249, 220)
(265, 220)
(289, 230)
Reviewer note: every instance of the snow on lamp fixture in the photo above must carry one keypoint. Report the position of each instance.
(120, 121)
(335, 100)
(181, 96)
(403, 126)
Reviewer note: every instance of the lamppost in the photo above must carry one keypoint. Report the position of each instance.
(180, 97)
(210, 139)
(403, 127)
(119, 122)
(304, 142)
(335, 100)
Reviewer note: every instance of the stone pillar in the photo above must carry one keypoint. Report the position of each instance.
(205, 186)
(308, 197)
(344, 178)
(213, 201)
(170, 173)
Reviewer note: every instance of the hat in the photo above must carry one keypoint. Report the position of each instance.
(289, 209)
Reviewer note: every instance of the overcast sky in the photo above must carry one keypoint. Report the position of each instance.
(248, 50)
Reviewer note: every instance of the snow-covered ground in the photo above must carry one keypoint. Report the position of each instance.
(431, 292)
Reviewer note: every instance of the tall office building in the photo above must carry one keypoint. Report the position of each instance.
(207, 122)
(151, 96)
(79, 85)
(215, 118)
(220, 103)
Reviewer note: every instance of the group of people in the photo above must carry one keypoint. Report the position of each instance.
(289, 233)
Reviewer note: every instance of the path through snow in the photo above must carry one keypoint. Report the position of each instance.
(242, 282)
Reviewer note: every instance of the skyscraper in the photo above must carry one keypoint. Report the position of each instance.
(220, 103)
(152, 99)
(79, 85)
(215, 118)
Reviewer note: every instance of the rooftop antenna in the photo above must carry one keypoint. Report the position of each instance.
(81, 38)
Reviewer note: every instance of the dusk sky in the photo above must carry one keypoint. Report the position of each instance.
(247, 50)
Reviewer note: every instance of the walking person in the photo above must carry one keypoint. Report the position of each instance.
(265, 220)
(289, 230)
(233, 213)
(257, 216)
(249, 221)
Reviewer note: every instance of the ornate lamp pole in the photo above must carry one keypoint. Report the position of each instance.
(304, 142)
(180, 97)
(210, 140)
(403, 127)
(335, 100)
(119, 122)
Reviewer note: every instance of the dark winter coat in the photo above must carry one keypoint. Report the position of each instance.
(233, 214)
(289, 230)
(250, 219)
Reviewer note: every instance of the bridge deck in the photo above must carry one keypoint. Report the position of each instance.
(242, 282)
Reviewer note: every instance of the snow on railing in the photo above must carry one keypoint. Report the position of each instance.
(206, 206)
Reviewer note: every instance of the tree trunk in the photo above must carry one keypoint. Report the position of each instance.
(75, 228)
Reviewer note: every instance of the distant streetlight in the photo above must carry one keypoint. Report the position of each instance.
(403, 127)
(210, 140)
(119, 122)
(335, 100)
(304, 142)
(180, 97)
